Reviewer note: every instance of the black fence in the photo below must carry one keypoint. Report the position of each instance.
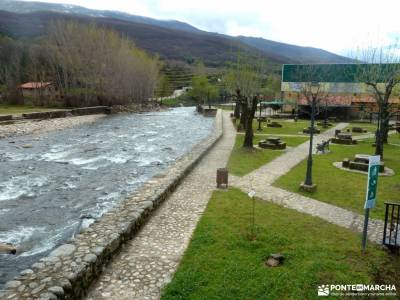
(391, 231)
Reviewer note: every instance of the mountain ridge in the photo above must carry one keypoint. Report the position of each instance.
(189, 42)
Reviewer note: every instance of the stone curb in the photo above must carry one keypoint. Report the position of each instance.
(68, 271)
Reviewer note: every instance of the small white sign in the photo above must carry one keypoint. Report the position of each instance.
(251, 194)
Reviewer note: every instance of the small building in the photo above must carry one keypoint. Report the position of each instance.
(344, 96)
(38, 89)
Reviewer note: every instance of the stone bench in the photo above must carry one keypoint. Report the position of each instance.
(308, 130)
(273, 143)
(358, 130)
(361, 163)
(363, 158)
(343, 141)
(346, 163)
(274, 124)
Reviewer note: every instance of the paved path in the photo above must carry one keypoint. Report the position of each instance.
(149, 260)
(277, 134)
(261, 181)
(268, 173)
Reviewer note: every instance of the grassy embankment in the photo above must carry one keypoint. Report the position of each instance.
(243, 161)
(19, 109)
(223, 262)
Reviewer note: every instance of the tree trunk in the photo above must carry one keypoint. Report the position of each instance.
(378, 138)
(385, 132)
(385, 123)
(236, 112)
(248, 137)
(243, 114)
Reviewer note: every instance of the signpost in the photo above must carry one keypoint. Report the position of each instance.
(370, 199)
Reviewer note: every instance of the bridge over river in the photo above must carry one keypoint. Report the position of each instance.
(53, 184)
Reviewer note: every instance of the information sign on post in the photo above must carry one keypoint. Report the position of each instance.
(370, 199)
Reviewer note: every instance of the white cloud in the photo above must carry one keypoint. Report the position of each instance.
(334, 25)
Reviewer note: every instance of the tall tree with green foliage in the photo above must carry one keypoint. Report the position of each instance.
(202, 90)
(164, 88)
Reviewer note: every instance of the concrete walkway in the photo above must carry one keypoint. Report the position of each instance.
(261, 181)
(149, 261)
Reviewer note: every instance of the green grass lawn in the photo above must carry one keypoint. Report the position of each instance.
(221, 261)
(243, 161)
(19, 109)
(394, 138)
(371, 128)
(347, 189)
(288, 127)
(224, 107)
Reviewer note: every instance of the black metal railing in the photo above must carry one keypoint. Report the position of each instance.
(391, 231)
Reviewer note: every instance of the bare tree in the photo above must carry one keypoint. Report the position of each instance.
(245, 79)
(98, 66)
(311, 80)
(381, 75)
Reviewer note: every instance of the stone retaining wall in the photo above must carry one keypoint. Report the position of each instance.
(68, 112)
(94, 110)
(46, 114)
(70, 269)
(5, 117)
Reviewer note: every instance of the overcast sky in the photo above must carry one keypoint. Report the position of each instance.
(334, 25)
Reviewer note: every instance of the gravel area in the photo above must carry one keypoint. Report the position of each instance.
(42, 126)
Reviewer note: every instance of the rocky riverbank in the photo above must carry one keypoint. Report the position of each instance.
(24, 127)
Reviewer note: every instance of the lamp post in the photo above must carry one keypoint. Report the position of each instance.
(308, 185)
(259, 120)
(326, 114)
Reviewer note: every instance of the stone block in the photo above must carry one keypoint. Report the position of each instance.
(358, 166)
(273, 146)
(93, 110)
(343, 141)
(308, 130)
(346, 163)
(358, 130)
(308, 188)
(274, 125)
(6, 118)
(209, 112)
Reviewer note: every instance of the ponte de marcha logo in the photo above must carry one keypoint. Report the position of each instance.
(323, 290)
(357, 290)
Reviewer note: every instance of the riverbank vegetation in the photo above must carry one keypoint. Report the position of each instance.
(223, 262)
(85, 64)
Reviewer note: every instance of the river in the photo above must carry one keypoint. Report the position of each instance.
(53, 184)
